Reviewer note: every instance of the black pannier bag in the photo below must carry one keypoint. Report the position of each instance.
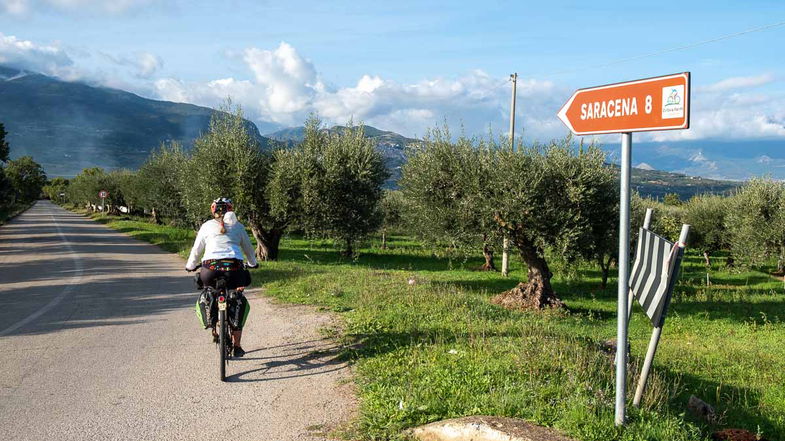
(207, 308)
(238, 309)
(246, 278)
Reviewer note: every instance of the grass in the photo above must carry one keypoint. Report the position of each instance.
(8, 212)
(427, 344)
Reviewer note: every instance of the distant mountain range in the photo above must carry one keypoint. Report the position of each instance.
(657, 183)
(68, 126)
(715, 159)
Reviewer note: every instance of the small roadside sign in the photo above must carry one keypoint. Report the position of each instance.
(103, 194)
(659, 103)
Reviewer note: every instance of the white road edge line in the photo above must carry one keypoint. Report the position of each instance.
(75, 280)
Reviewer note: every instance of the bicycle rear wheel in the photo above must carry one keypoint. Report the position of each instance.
(222, 343)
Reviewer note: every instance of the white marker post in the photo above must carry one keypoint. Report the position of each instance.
(660, 103)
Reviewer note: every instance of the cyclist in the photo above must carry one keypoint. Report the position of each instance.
(223, 241)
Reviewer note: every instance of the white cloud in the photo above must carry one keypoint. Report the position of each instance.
(286, 87)
(719, 114)
(704, 162)
(698, 157)
(738, 83)
(143, 65)
(24, 54)
(282, 87)
(25, 7)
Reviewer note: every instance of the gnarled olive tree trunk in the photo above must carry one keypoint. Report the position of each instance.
(537, 292)
(267, 242)
(487, 252)
(605, 265)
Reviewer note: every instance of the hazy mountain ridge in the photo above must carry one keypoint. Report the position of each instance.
(658, 183)
(391, 145)
(67, 126)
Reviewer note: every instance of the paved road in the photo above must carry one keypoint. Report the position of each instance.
(99, 341)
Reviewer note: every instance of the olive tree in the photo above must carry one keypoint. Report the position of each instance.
(84, 187)
(345, 196)
(284, 192)
(159, 182)
(706, 215)
(549, 198)
(55, 190)
(6, 189)
(5, 149)
(445, 185)
(756, 223)
(391, 210)
(228, 161)
(27, 178)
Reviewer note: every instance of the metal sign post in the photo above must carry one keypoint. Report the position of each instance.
(103, 194)
(624, 267)
(660, 103)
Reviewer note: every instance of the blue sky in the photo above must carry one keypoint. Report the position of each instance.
(406, 66)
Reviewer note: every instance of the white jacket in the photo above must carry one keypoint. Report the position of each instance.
(230, 245)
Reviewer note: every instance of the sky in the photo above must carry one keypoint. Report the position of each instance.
(407, 66)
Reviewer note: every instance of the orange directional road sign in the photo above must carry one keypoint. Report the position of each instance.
(660, 103)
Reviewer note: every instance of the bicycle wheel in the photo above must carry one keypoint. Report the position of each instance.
(222, 342)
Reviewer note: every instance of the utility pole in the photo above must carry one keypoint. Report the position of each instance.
(506, 244)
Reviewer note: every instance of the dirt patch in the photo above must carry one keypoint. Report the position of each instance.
(735, 435)
(525, 297)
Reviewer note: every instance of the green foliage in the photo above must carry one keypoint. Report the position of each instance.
(55, 190)
(228, 162)
(84, 189)
(27, 177)
(391, 208)
(706, 214)
(340, 183)
(285, 187)
(5, 149)
(547, 199)
(159, 183)
(446, 185)
(225, 162)
(672, 199)
(756, 222)
(553, 197)
(6, 189)
(350, 187)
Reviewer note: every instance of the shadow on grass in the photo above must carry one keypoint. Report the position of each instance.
(736, 407)
(381, 261)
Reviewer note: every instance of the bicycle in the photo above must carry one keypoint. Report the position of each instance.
(225, 299)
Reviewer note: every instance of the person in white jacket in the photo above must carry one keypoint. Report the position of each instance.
(219, 247)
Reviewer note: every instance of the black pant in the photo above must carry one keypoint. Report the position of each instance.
(233, 278)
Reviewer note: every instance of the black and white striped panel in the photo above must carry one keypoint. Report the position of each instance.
(650, 275)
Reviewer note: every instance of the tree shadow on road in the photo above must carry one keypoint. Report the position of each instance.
(303, 359)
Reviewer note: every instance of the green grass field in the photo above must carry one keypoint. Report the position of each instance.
(427, 344)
